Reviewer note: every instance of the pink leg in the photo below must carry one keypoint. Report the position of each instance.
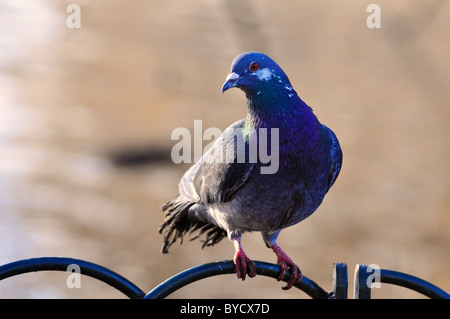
(286, 264)
(241, 261)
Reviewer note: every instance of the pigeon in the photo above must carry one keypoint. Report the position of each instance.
(226, 195)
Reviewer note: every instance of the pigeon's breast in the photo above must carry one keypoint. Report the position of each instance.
(268, 202)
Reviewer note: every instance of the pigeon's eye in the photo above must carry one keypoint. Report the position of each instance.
(253, 66)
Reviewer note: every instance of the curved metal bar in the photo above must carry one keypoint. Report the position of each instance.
(412, 282)
(200, 272)
(61, 263)
(227, 267)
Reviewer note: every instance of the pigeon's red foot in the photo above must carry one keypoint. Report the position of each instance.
(242, 262)
(286, 264)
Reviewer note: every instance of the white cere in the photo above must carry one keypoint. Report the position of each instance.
(232, 76)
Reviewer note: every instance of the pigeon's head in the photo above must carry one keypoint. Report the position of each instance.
(255, 73)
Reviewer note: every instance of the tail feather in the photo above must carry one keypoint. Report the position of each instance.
(177, 223)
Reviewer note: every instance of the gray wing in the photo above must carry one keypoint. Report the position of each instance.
(222, 170)
(336, 158)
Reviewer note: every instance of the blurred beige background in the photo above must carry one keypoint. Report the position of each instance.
(86, 116)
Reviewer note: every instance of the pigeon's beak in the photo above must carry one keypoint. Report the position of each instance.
(230, 81)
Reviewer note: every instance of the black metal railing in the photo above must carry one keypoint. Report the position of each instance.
(364, 276)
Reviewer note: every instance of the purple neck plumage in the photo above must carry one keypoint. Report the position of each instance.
(299, 129)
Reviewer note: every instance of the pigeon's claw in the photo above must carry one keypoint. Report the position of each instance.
(286, 264)
(242, 262)
(295, 273)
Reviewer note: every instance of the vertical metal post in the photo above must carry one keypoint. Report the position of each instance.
(340, 280)
(362, 289)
